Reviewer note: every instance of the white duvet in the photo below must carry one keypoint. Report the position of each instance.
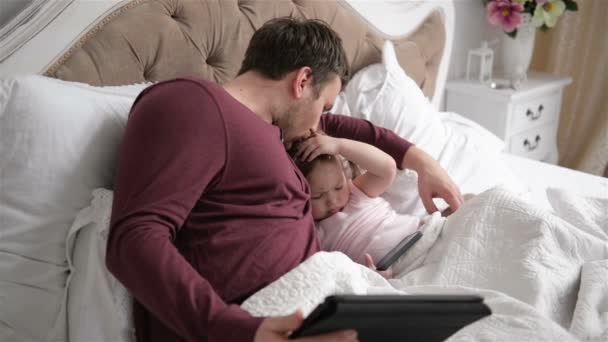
(544, 273)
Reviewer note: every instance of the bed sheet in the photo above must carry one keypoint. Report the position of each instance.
(538, 177)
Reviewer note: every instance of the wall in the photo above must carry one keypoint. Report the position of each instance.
(10, 8)
(471, 28)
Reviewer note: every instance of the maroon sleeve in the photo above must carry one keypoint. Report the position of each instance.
(173, 149)
(341, 126)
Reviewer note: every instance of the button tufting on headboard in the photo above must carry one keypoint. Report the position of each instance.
(154, 40)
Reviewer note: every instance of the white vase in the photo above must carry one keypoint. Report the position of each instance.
(517, 52)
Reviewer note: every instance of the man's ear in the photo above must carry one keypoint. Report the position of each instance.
(301, 80)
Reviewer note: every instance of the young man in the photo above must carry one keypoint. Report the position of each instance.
(208, 207)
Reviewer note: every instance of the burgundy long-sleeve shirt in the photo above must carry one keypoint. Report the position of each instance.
(209, 208)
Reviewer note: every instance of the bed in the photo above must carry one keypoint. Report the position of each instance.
(95, 57)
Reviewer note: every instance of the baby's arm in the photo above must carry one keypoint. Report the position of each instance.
(381, 167)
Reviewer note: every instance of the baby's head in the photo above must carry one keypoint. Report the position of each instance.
(328, 184)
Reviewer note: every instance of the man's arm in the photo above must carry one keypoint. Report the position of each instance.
(433, 181)
(171, 152)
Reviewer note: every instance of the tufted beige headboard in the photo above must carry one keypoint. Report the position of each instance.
(154, 40)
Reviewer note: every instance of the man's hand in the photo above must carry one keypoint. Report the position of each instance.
(278, 329)
(433, 181)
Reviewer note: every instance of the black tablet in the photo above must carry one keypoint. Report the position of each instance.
(398, 251)
(403, 318)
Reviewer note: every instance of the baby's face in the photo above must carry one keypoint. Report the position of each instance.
(329, 187)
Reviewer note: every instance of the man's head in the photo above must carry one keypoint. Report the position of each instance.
(283, 45)
(307, 55)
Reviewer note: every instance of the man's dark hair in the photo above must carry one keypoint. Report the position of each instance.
(285, 44)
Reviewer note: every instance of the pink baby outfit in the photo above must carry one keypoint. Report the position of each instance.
(365, 225)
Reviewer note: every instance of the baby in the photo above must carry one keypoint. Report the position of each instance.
(350, 215)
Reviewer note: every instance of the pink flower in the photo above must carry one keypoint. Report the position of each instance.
(505, 14)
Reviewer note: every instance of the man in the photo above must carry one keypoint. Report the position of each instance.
(208, 207)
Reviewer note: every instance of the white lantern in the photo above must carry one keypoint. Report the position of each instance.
(479, 64)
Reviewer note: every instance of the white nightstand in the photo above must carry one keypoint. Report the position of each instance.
(526, 119)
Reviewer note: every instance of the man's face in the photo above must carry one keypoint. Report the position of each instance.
(306, 112)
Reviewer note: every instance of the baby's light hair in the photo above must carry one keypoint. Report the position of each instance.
(351, 170)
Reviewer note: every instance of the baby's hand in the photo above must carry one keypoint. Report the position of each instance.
(369, 261)
(317, 145)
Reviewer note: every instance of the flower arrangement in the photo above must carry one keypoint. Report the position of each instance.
(508, 14)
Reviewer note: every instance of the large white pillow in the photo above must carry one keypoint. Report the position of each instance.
(385, 95)
(58, 142)
(477, 134)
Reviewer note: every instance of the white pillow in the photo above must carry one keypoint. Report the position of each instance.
(58, 142)
(386, 96)
(479, 135)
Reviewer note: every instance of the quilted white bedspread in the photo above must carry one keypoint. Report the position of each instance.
(544, 273)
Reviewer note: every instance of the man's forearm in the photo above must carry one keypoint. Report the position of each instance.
(148, 264)
(415, 159)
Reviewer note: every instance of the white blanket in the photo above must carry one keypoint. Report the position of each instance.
(498, 245)
(544, 274)
(334, 273)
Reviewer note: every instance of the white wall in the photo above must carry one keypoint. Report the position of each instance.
(471, 28)
(10, 8)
